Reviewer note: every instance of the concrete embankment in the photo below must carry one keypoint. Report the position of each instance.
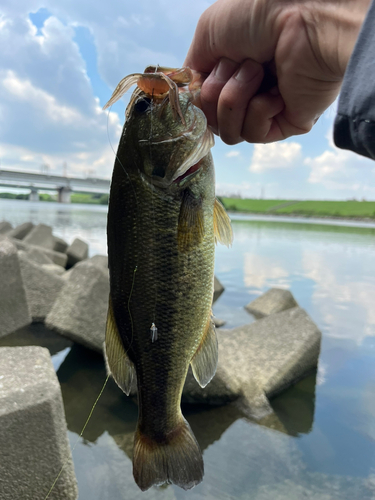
(46, 281)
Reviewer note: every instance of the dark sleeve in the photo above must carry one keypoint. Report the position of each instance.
(355, 121)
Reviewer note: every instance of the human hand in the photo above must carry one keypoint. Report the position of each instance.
(272, 67)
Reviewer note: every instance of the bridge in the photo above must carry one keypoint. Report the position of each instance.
(62, 184)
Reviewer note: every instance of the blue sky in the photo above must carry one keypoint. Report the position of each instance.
(60, 62)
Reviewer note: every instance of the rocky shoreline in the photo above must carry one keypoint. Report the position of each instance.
(46, 281)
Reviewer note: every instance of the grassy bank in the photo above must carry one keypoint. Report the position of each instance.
(345, 209)
(96, 199)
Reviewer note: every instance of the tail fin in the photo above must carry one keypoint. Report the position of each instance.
(175, 459)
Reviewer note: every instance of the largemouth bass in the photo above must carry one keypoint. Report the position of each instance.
(163, 220)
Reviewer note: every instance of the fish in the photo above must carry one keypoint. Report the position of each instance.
(163, 222)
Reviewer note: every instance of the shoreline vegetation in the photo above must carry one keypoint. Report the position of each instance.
(92, 199)
(349, 209)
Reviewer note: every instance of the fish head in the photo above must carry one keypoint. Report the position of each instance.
(168, 150)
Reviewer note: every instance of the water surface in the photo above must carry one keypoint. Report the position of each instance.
(320, 444)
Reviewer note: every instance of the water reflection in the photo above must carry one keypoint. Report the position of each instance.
(332, 279)
(339, 295)
(82, 375)
(258, 270)
(318, 443)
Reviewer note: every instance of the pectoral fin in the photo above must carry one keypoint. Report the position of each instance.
(190, 222)
(222, 225)
(204, 362)
(117, 362)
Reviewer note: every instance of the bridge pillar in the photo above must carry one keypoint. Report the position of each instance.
(33, 196)
(64, 194)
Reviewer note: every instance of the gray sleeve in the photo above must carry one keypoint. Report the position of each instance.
(355, 121)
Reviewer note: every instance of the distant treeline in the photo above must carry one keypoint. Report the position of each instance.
(317, 208)
(98, 199)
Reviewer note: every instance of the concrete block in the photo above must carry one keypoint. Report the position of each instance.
(60, 245)
(80, 311)
(42, 288)
(40, 236)
(77, 251)
(14, 311)
(5, 227)
(219, 322)
(67, 274)
(36, 255)
(100, 260)
(57, 257)
(19, 232)
(273, 301)
(33, 438)
(218, 289)
(54, 268)
(259, 360)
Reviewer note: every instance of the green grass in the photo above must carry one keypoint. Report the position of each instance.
(240, 205)
(93, 199)
(345, 209)
(96, 199)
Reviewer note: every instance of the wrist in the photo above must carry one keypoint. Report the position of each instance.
(333, 27)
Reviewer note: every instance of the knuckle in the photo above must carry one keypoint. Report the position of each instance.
(229, 139)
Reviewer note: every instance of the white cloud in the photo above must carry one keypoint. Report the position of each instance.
(48, 111)
(278, 155)
(233, 154)
(327, 166)
(23, 90)
(341, 169)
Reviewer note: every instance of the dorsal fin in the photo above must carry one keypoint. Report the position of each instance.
(222, 225)
(204, 361)
(117, 362)
(190, 222)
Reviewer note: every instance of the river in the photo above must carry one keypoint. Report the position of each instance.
(323, 448)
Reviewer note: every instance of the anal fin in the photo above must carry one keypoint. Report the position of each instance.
(117, 361)
(205, 359)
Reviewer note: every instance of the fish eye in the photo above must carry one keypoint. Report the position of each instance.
(142, 105)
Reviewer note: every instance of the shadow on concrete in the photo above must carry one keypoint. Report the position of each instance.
(36, 334)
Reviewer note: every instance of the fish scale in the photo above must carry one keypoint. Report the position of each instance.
(161, 237)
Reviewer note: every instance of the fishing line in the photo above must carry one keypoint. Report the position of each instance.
(120, 358)
(79, 437)
(99, 395)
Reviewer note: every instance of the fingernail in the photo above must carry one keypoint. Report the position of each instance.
(243, 75)
(248, 71)
(225, 69)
